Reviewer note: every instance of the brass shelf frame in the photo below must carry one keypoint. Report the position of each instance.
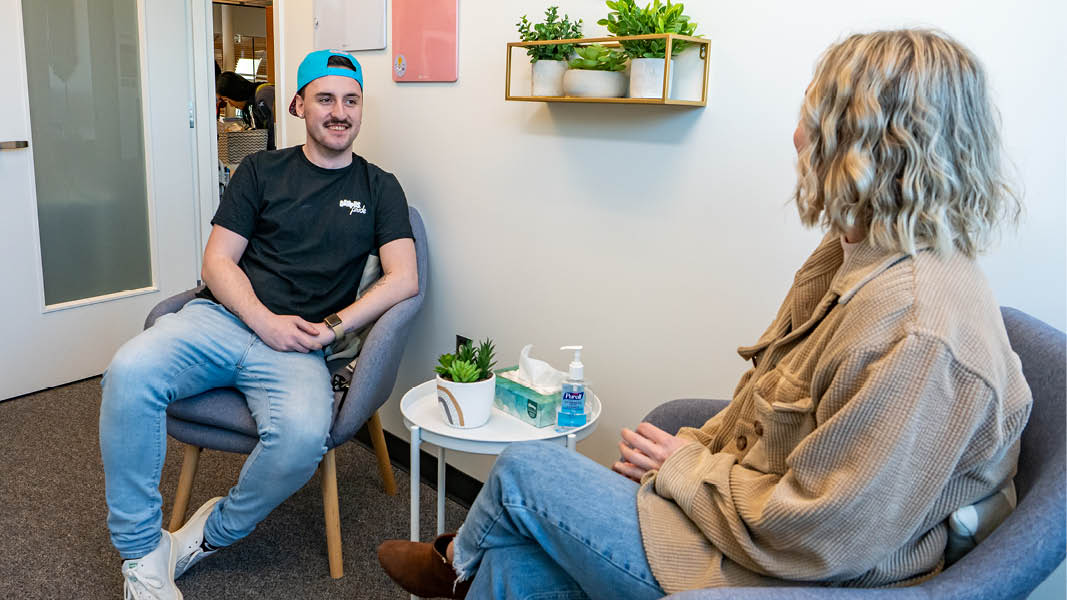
(664, 99)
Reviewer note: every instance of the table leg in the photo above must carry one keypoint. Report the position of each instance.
(440, 491)
(572, 442)
(416, 441)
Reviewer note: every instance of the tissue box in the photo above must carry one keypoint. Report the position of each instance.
(525, 404)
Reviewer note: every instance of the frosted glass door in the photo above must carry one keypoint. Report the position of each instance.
(84, 84)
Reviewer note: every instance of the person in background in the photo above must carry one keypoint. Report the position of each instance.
(283, 265)
(883, 398)
(256, 102)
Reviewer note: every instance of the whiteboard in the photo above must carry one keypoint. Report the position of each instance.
(349, 24)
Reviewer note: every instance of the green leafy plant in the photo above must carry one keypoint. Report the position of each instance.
(598, 58)
(627, 18)
(468, 364)
(553, 28)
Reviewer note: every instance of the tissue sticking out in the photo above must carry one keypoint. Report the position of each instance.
(536, 374)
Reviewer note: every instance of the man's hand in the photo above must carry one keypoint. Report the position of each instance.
(290, 333)
(645, 449)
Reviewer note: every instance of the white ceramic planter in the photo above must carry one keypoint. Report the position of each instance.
(583, 83)
(547, 78)
(646, 77)
(466, 405)
(687, 74)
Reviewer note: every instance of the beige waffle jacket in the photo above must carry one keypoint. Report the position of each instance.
(884, 396)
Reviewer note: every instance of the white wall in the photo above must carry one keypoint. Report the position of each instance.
(662, 238)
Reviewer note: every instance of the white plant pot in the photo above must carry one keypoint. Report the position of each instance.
(583, 83)
(547, 78)
(466, 405)
(646, 77)
(687, 74)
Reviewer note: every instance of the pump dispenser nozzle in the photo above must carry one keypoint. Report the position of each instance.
(576, 369)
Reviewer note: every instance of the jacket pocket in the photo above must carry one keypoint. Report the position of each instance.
(784, 415)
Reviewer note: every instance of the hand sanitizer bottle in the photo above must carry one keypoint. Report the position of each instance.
(572, 406)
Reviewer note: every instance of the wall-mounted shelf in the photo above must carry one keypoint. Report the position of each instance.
(665, 96)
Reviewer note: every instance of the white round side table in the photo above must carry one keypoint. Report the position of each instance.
(423, 416)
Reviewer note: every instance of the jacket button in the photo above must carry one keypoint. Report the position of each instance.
(742, 443)
(758, 427)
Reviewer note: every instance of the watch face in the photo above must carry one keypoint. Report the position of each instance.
(333, 320)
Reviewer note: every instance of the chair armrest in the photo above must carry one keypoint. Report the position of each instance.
(687, 412)
(170, 305)
(376, 368)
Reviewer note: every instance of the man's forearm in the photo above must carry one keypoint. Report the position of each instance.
(390, 289)
(231, 287)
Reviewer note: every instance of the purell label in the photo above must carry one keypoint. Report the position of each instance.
(573, 395)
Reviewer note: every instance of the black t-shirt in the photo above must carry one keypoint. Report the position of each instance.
(309, 229)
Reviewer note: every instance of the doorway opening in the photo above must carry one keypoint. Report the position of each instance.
(234, 58)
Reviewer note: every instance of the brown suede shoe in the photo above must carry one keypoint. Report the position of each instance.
(421, 568)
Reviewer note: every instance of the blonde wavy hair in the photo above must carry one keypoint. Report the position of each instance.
(902, 140)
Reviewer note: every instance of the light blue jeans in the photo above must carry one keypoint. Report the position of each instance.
(552, 524)
(204, 346)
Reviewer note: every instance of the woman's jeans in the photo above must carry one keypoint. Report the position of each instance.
(201, 347)
(551, 523)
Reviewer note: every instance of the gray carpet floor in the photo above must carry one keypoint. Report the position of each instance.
(54, 538)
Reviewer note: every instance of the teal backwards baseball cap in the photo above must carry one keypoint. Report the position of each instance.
(316, 64)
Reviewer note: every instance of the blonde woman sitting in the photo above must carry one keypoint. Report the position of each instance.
(883, 396)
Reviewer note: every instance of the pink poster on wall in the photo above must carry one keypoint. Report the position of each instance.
(425, 40)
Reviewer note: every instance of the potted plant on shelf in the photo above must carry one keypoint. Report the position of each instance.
(466, 384)
(549, 61)
(647, 57)
(596, 72)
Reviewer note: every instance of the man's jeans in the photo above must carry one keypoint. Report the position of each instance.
(551, 523)
(201, 347)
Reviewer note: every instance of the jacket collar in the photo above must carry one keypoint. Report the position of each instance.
(864, 263)
(825, 279)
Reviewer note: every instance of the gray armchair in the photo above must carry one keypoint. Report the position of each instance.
(1019, 554)
(219, 419)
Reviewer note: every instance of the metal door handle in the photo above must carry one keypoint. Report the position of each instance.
(15, 145)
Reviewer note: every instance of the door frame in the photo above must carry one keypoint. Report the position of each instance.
(202, 112)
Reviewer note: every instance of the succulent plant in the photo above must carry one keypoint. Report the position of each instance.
(598, 58)
(462, 371)
(469, 364)
(485, 360)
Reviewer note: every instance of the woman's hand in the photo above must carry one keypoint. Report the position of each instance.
(645, 449)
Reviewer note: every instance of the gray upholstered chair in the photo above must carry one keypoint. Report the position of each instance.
(1019, 554)
(219, 419)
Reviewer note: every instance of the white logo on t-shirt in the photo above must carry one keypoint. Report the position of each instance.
(356, 207)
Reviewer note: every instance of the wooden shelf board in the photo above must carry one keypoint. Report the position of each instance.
(659, 101)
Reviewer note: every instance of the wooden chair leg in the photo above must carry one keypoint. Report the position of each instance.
(190, 462)
(377, 438)
(328, 472)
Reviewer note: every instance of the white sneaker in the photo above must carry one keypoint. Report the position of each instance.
(151, 576)
(188, 539)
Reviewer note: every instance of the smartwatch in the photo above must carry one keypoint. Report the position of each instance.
(334, 323)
